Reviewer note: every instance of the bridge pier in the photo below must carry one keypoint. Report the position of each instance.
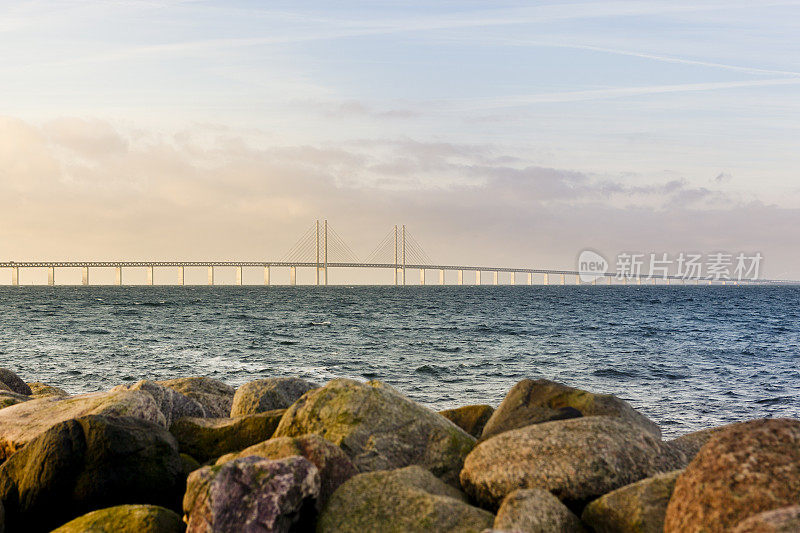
(239, 275)
(638, 281)
(15, 276)
(477, 277)
(181, 276)
(530, 278)
(51, 276)
(150, 275)
(460, 277)
(292, 275)
(441, 276)
(118, 275)
(422, 276)
(85, 276)
(577, 279)
(495, 279)
(563, 279)
(608, 279)
(266, 275)
(211, 275)
(546, 280)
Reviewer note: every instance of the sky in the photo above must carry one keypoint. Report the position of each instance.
(500, 133)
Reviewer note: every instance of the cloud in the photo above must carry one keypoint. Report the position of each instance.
(86, 189)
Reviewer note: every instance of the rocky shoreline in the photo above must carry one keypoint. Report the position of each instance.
(284, 454)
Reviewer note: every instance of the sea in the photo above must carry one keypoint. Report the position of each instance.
(688, 357)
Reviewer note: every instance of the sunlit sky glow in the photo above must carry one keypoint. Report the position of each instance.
(501, 132)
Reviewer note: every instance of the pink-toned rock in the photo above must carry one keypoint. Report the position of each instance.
(333, 464)
(21, 423)
(747, 469)
(251, 494)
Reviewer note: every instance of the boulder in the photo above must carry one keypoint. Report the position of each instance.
(13, 382)
(783, 520)
(690, 443)
(577, 460)
(742, 471)
(41, 390)
(268, 395)
(251, 494)
(126, 519)
(208, 438)
(2, 518)
(408, 500)
(8, 398)
(215, 396)
(333, 464)
(172, 404)
(189, 464)
(636, 508)
(86, 464)
(21, 423)
(535, 511)
(470, 418)
(379, 428)
(533, 402)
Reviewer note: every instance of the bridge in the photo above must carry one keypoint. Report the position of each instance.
(321, 248)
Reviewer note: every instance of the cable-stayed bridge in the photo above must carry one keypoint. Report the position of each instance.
(321, 248)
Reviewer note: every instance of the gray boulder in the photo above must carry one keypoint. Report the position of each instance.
(537, 401)
(171, 403)
(215, 396)
(577, 460)
(535, 511)
(21, 423)
(379, 428)
(407, 500)
(86, 464)
(13, 382)
(268, 395)
(636, 508)
(252, 494)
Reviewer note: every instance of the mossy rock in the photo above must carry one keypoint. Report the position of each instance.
(215, 396)
(21, 423)
(536, 510)
(268, 394)
(636, 508)
(43, 390)
(470, 418)
(537, 401)
(406, 500)
(126, 519)
(209, 438)
(379, 428)
(8, 398)
(87, 464)
(13, 382)
(189, 463)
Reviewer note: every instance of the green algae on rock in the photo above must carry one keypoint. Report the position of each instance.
(126, 519)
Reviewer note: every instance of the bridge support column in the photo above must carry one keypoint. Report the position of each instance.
(563, 280)
(546, 280)
(211, 275)
(15, 276)
(85, 276)
(266, 275)
(608, 279)
(51, 276)
(238, 275)
(149, 275)
(638, 281)
(495, 280)
(594, 281)
(460, 277)
(422, 276)
(119, 275)
(477, 277)
(292, 275)
(577, 279)
(441, 276)
(530, 278)
(325, 275)
(181, 277)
